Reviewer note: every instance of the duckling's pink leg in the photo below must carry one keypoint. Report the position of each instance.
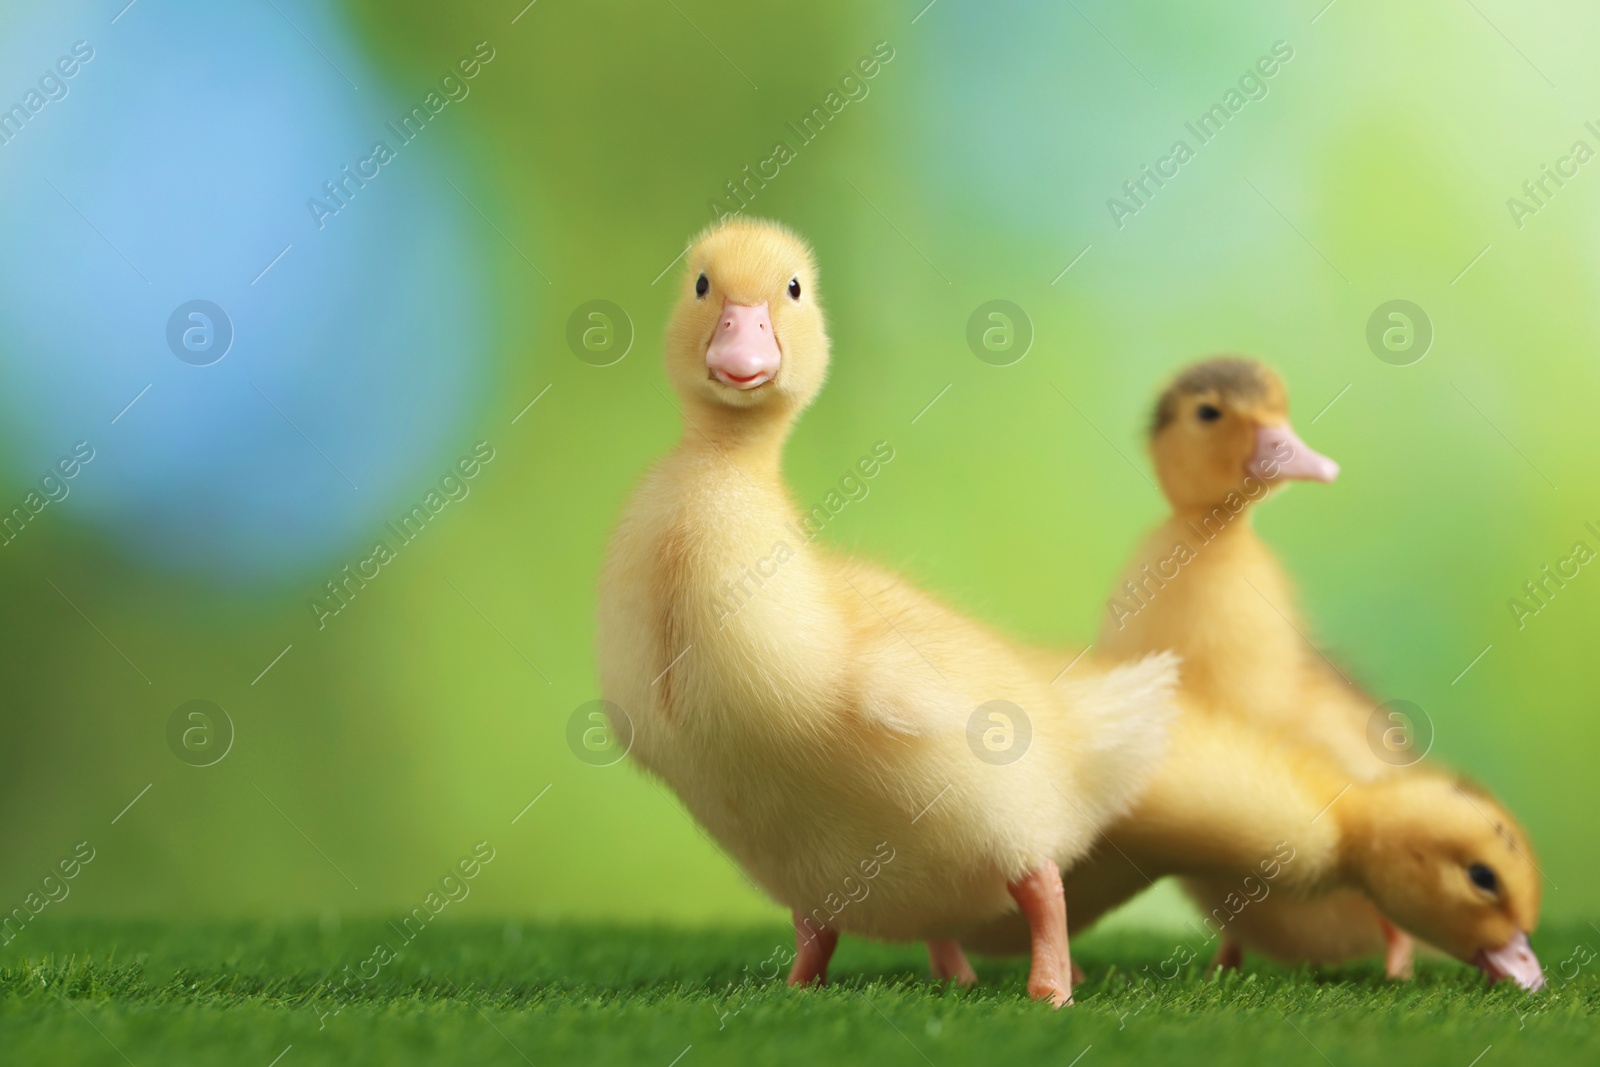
(1398, 952)
(1044, 904)
(1229, 957)
(950, 963)
(813, 948)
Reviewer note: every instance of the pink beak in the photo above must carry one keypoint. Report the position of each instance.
(1281, 454)
(743, 353)
(1514, 960)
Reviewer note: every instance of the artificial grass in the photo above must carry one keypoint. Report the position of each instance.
(148, 993)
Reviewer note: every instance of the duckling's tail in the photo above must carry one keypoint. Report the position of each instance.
(1125, 714)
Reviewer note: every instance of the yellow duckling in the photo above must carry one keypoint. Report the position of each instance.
(1274, 821)
(818, 723)
(1204, 585)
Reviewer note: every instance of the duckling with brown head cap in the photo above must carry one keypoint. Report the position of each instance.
(818, 724)
(1221, 441)
(1203, 584)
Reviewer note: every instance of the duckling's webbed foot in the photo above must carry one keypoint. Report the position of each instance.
(813, 948)
(1399, 950)
(1044, 904)
(949, 963)
(1229, 957)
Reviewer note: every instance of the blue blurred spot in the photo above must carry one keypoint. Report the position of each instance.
(175, 166)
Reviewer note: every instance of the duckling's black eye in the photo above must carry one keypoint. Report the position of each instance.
(794, 288)
(1483, 877)
(701, 285)
(1207, 413)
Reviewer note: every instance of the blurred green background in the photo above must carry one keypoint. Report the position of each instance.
(428, 714)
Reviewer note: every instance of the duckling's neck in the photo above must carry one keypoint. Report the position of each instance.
(1359, 817)
(751, 438)
(1210, 522)
(1383, 822)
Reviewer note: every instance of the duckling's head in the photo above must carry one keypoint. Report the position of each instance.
(747, 333)
(1222, 423)
(1446, 862)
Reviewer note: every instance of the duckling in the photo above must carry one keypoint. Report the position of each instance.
(817, 724)
(1277, 819)
(1205, 585)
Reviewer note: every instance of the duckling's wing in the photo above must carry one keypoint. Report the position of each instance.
(916, 711)
(912, 654)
